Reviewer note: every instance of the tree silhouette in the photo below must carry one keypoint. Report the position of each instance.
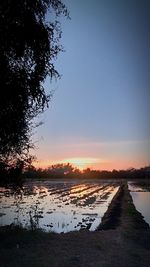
(29, 44)
(61, 168)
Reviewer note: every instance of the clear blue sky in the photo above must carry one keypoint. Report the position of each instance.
(100, 108)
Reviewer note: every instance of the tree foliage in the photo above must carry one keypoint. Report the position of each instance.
(68, 171)
(29, 44)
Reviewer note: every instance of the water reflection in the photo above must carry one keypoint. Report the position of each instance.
(140, 192)
(56, 206)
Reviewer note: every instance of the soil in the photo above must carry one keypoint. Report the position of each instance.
(122, 239)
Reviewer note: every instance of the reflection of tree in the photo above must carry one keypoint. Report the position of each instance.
(34, 218)
(18, 197)
(141, 186)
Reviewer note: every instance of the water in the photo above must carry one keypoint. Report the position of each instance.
(56, 206)
(140, 192)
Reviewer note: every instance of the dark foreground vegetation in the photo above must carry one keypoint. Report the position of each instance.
(30, 33)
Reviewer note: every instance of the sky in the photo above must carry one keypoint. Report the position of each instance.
(99, 114)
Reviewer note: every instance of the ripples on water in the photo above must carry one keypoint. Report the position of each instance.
(56, 206)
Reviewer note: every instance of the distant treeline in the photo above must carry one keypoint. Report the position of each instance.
(58, 171)
(68, 171)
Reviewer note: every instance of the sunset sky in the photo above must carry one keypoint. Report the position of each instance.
(99, 114)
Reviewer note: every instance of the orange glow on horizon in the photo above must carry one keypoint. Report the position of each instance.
(82, 163)
(93, 163)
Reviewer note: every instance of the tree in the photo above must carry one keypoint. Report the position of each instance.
(29, 44)
(61, 169)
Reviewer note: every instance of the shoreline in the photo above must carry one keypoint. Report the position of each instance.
(121, 209)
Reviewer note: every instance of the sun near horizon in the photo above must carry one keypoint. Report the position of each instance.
(83, 163)
(80, 163)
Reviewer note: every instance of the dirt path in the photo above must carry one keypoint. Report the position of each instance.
(127, 245)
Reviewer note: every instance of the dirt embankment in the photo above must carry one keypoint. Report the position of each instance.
(111, 218)
(122, 212)
(126, 245)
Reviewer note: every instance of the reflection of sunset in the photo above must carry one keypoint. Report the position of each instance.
(78, 189)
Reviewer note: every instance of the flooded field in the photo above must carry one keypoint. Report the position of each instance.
(140, 192)
(56, 206)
